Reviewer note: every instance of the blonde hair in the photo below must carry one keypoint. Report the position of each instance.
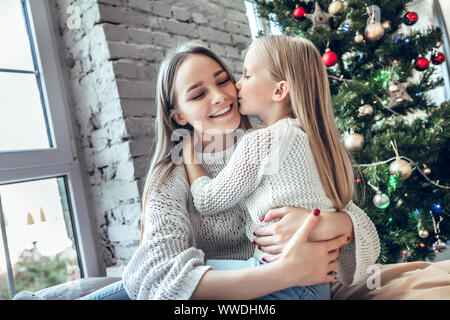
(297, 61)
(161, 164)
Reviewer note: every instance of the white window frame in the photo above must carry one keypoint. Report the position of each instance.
(62, 160)
(256, 23)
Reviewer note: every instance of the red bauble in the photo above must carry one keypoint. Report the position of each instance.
(329, 58)
(410, 18)
(299, 12)
(421, 64)
(437, 58)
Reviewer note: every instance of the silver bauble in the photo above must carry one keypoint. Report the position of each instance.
(439, 246)
(353, 142)
(402, 167)
(381, 201)
(374, 31)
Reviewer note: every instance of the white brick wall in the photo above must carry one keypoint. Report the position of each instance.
(111, 63)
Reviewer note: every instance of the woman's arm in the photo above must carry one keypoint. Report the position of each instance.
(361, 251)
(302, 263)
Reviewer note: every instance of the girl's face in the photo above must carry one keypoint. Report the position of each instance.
(206, 97)
(255, 88)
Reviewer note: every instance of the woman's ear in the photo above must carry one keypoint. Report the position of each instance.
(175, 115)
(281, 91)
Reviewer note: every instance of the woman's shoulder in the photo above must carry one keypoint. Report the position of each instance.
(170, 182)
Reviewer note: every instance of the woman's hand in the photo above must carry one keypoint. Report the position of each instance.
(273, 237)
(306, 263)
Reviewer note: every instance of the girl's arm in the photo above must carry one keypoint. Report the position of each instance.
(239, 178)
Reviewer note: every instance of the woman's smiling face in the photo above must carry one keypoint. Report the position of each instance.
(206, 97)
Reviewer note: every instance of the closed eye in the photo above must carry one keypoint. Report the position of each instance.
(223, 82)
(198, 96)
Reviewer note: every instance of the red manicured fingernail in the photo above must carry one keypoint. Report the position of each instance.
(263, 259)
(254, 233)
(316, 212)
(259, 247)
(348, 238)
(262, 218)
(254, 241)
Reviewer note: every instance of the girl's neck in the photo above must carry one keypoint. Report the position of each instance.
(275, 115)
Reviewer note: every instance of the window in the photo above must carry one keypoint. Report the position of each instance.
(256, 23)
(19, 73)
(43, 213)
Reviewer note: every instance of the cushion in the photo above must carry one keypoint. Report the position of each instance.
(419, 280)
(69, 290)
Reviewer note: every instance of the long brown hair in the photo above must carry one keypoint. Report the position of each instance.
(161, 164)
(297, 61)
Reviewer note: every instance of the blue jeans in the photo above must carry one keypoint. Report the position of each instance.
(315, 292)
(116, 291)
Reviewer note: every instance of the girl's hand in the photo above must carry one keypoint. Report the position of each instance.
(273, 237)
(306, 263)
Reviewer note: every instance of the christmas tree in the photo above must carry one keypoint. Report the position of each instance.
(398, 137)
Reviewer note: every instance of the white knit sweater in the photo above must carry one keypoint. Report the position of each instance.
(177, 239)
(274, 167)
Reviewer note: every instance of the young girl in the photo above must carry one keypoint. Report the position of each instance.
(296, 160)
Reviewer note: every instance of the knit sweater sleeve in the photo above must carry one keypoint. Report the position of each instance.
(166, 265)
(355, 258)
(241, 175)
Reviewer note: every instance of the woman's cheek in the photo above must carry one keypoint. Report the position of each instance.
(246, 109)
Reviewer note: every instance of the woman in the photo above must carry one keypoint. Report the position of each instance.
(176, 240)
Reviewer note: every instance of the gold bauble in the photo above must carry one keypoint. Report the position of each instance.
(353, 142)
(402, 167)
(393, 88)
(374, 31)
(423, 233)
(359, 38)
(335, 8)
(427, 171)
(365, 110)
(438, 44)
(386, 24)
